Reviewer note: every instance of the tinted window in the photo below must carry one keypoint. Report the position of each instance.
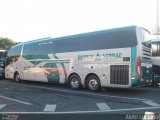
(143, 35)
(38, 50)
(156, 49)
(101, 40)
(147, 44)
(15, 51)
(67, 45)
(14, 54)
(107, 39)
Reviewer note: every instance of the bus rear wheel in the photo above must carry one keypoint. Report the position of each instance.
(93, 83)
(17, 77)
(75, 82)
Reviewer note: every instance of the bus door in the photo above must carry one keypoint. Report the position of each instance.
(28, 71)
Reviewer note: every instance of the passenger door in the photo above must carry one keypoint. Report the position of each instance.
(28, 71)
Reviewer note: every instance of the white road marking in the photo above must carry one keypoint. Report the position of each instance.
(94, 111)
(151, 103)
(50, 108)
(15, 100)
(86, 93)
(103, 106)
(2, 106)
(75, 112)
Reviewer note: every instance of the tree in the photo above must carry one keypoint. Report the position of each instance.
(6, 43)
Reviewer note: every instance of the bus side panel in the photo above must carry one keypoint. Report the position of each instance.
(93, 67)
(116, 68)
(69, 65)
(134, 75)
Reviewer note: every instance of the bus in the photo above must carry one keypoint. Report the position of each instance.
(119, 57)
(156, 61)
(2, 63)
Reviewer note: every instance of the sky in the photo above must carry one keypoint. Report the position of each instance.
(24, 20)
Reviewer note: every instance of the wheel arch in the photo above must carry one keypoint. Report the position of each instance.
(73, 74)
(74, 81)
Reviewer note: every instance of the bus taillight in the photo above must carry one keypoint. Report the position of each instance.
(138, 66)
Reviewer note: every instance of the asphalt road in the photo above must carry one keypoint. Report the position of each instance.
(27, 100)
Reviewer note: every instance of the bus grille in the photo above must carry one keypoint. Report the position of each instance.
(119, 74)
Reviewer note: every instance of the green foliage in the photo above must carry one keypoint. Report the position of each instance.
(6, 43)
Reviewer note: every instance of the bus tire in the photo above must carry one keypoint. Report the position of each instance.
(17, 77)
(93, 83)
(75, 82)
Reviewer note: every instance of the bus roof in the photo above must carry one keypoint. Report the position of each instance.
(83, 34)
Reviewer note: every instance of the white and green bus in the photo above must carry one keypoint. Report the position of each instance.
(119, 57)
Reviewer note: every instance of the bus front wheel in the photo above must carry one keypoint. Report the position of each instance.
(75, 82)
(93, 83)
(17, 77)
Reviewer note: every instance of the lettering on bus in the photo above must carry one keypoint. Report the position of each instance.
(99, 56)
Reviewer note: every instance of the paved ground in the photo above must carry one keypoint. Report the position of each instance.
(41, 99)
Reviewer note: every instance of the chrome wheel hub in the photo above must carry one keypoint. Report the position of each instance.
(17, 77)
(74, 83)
(93, 83)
